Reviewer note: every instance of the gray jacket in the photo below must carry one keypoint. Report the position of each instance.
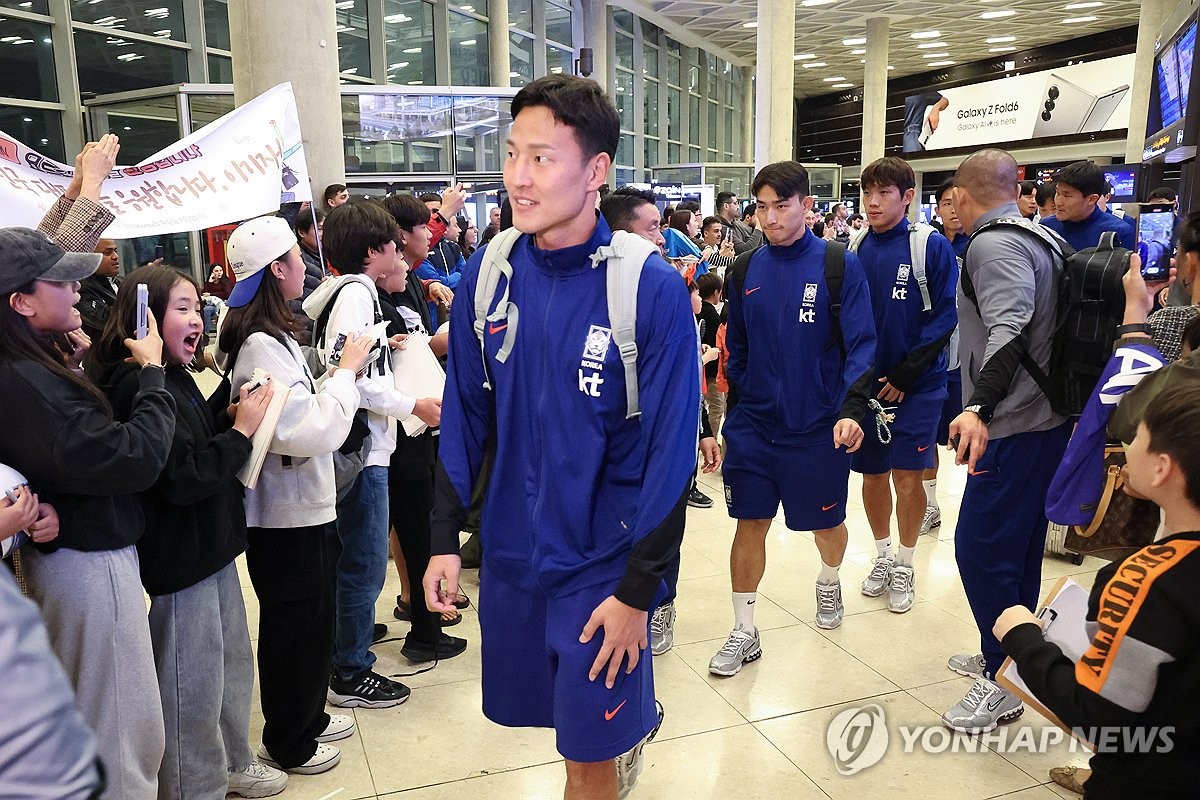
(1014, 279)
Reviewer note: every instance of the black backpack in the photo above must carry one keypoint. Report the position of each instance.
(1091, 305)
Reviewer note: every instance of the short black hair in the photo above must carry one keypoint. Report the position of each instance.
(621, 205)
(406, 210)
(430, 197)
(889, 171)
(944, 187)
(787, 178)
(1028, 188)
(709, 283)
(689, 205)
(304, 222)
(1085, 176)
(352, 230)
(704, 223)
(1163, 193)
(1045, 192)
(1172, 419)
(581, 105)
(333, 190)
(1188, 233)
(723, 198)
(857, 217)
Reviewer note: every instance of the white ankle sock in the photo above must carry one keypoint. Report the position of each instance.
(904, 556)
(884, 547)
(930, 493)
(827, 574)
(743, 610)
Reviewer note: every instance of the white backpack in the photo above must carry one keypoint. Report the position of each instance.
(918, 240)
(624, 258)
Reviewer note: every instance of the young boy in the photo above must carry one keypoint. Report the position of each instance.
(1140, 677)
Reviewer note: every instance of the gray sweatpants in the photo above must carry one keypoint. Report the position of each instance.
(95, 613)
(205, 679)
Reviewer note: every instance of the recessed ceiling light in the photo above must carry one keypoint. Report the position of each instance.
(804, 56)
(834, 80)
(854, 41)
(811, 3)
(814, 64)
(930, 45)
(926, 34)
(1078, 6)
(940, 63)
(749, 24)
(411, 50)
(1001, 49)
(857, 52)
(890, 67)
(1001, 39)
(467, 42)
(1074, 20)
(936, 55)
(1006, 12)
(843, 85)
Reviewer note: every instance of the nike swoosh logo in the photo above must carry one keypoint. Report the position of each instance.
(922, 449)
(826, 508)
(608, 715)
(995, 704)
(752, 291)
(973, 473)
(494, 328)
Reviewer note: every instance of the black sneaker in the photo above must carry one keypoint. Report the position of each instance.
(378, 632)
(367, 689)
(698, 499)
(446, 647)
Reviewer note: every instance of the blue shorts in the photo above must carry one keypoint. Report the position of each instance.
(952, 407)
(810, 480)
(914, 436)
(535, 672)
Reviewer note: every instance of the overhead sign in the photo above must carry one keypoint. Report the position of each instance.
(1081, 98)
(239, 166)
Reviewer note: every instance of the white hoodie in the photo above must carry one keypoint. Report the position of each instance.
(355, 310)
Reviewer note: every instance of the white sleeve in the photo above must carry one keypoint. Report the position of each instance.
(354, 311)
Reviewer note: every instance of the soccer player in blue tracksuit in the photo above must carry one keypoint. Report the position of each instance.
(581, 514)
(802, 388)
(1077, 217)
(910, 373)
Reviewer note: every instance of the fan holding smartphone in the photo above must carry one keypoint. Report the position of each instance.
(1155, 233)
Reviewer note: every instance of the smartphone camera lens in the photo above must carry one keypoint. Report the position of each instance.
(1046, 115)
(1053, 93)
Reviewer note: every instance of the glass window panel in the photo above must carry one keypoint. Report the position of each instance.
(651, 108)
(468, 51)
(674, 102)
(673, 68)
(145, 126)
(730, 93)
(693, 155)
(712, 125)
(651, 152)
(624, 50)
(37, 6)
(481, 127)
(624, 19)
(674, 153)
(624, 98)
(395, 133)
(165, 19)
(408, 39)
(559, 61)
(477, 7)
(712, 86)
(694, 132)
(558, 24)
(650, 56)
(220, 69)
(520, 14)
(625, 176)
(354, 54)
(216, 24)
(38, 128)
(625, 148)
(204, 108)
(650, 31)
(520, 59)
(27, 61)
(693, 78)
(108, 63)
(731, 145)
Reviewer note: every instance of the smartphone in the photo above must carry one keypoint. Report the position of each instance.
(1155, 234)
(143, 300)
(158, 251)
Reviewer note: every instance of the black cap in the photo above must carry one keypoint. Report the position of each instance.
(27, 255)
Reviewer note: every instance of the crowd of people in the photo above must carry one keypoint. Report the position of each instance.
(784, 347)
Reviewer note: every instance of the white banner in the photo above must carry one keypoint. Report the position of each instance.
(1082, 98)
(239, 166)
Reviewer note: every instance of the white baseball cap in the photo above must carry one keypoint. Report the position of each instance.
(252, 247)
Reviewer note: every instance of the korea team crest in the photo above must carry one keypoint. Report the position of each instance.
(808, 312)
(902, 273)
(810, 292)
(595, 349)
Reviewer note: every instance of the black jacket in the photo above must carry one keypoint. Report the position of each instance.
(313, 275)
(195, 519)
(414, 455)
(96, 300)
(86, 465)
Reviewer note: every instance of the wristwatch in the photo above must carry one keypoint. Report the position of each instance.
(983, 412)
(1134, 327)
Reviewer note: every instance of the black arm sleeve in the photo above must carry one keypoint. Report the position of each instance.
(916, 362)
(650, 558)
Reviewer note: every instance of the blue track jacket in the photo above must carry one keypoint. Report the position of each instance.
(579, 496)
(911, 343)
(784, 360)
(1085, 234)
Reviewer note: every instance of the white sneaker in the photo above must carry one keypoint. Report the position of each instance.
(662, 629)
(878, 578)
(629, 765)
(967, 665)
(341, 726)
(901, 591)
(829, 605)
(325, 759)
(257, 780)
(932, 519)
(985, 706)
(741, 647)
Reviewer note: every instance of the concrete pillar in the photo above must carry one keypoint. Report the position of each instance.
(498, 55)
(1151, 17)
(914, 208)
(875, 77)
(595, 36)
(747, 153)
(308, 57)
(775, 92)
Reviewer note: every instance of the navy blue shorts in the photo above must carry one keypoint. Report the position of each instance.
(914, 436)
(810, 480)
(535, 672)
(953, 406)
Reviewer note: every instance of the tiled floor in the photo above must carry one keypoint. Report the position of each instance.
(756, 735)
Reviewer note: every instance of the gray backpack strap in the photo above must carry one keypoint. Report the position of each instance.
(495, 265)
(918, 243)
(857, 239)
(625, 257)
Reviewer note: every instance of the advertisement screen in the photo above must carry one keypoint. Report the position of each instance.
(1185, 53)
(1166, 68)
(1123, 179)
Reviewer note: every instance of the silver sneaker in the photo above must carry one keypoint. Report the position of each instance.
(257, 780)
(829, 605)
(932, 519)
(969, 666)
(662, 629)
(985, 706)
(741, 647)
(878, 578)
(629, 765)
(901, 591)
